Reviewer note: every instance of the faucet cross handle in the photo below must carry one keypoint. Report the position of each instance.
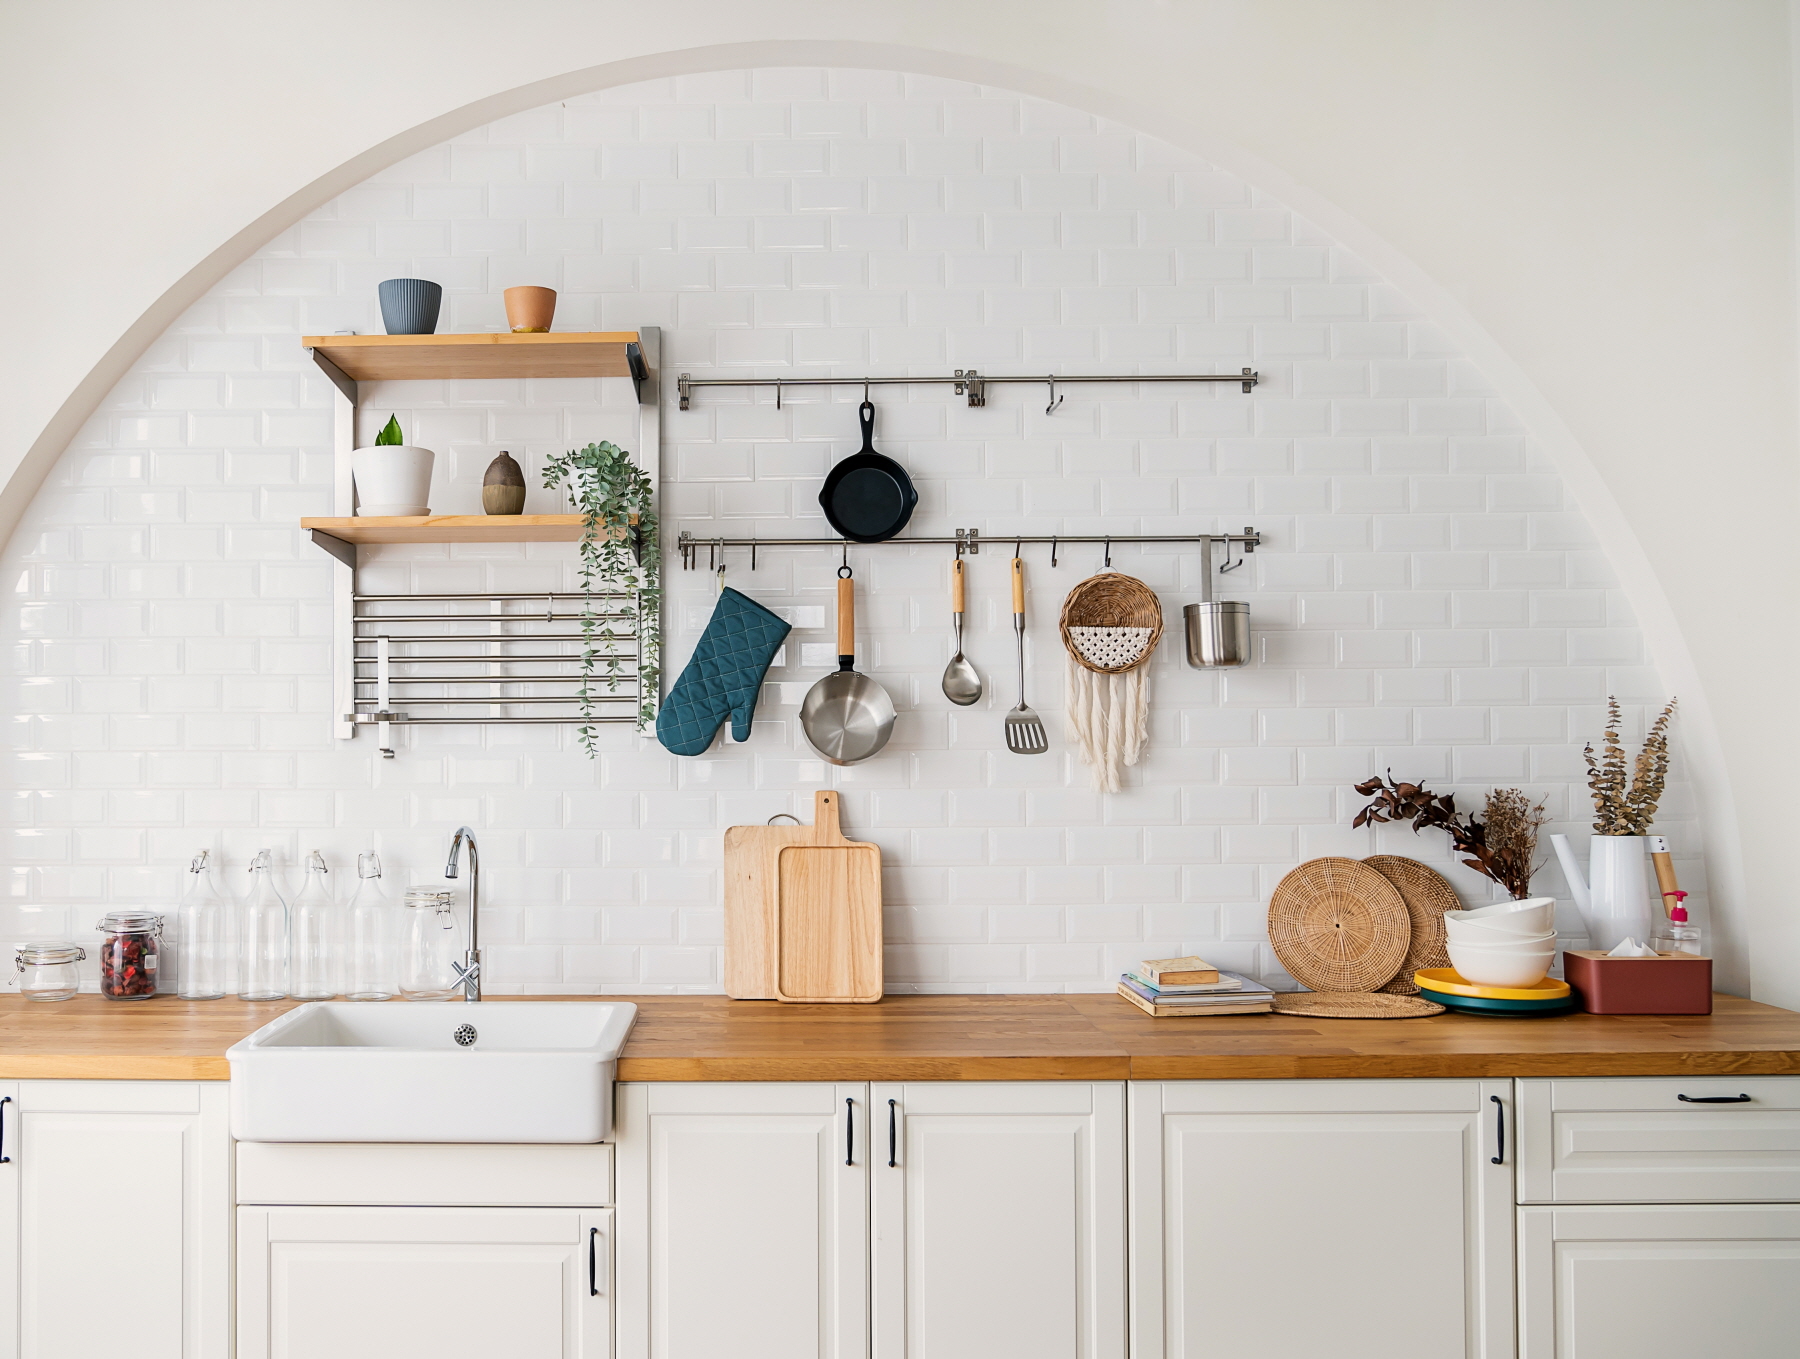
(469, 976)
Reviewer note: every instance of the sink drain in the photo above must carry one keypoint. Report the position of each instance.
(465, 1035)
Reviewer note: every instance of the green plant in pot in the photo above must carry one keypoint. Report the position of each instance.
(620, 560)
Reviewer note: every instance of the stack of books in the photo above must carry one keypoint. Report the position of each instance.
(1170, 987)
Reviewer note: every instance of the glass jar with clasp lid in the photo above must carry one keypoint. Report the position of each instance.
(129, 954)
(430, 947)
(47, 971)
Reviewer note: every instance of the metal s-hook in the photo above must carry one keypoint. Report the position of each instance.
(1055, 400)
(1109, 552)
(844, 570)
(777, 393)
(865, 391)
(1229, 564)
(1053, 549)
(719, 586)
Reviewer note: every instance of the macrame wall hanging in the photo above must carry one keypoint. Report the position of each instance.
(1110, 625)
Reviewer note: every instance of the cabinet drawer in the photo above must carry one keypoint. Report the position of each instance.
(1629, 1140)
(427, 1175)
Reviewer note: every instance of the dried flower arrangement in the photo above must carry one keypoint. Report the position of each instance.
(1503, 848)
(1618, 809)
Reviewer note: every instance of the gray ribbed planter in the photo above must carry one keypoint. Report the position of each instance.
(409, 306)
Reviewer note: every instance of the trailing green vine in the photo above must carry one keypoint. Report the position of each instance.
(620, 555)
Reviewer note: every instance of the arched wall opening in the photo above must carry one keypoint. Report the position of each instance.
(1452, 343)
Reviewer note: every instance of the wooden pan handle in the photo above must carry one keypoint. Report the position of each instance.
(846, 622)
(1018, 577)
(956, 586)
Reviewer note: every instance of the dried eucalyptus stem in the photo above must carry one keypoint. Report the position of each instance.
(1503, 849)
(1621, 808)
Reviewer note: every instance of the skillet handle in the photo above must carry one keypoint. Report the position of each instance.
(846, 623)
(865, 413)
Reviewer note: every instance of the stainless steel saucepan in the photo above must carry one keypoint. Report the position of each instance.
(847, 717)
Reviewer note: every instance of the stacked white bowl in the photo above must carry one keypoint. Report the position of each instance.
(1509, 944)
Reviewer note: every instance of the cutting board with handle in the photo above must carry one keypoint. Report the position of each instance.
(828, 916)
(844, 871)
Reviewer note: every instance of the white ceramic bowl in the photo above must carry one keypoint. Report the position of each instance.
(1506, 943)
(1512, 917)
(1489, 967)
(1488, 931)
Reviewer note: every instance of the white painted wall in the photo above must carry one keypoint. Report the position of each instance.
(1593, 199)
(1430, 600)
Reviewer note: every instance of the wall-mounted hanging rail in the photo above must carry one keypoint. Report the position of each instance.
(965, 380)
(690, 545)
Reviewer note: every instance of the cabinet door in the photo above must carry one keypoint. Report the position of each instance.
(9, 1220)
(743, 1212)
(999, 1220)
(424, 1283)
(1359, 1219)
(1630, 1282)
(124, 1218)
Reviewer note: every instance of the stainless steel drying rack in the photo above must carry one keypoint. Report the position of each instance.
(966, 381)
(414, 658)
(966, 541)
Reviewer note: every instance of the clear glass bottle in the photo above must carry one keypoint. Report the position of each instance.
(372, 936)
(202, 935)
(431, 947)
(313, 936)
(262, 936)
(130, 952)
(1677, 934)
(48, 972)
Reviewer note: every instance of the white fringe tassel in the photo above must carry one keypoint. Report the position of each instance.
(1110, 718)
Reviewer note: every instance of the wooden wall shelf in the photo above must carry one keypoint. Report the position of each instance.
(453, 528)
(382, 358)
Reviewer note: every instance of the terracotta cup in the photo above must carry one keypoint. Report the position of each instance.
(528, 310)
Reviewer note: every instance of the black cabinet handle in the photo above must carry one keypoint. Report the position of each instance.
(891, 1141)
(5, 1100)
(849, 1132)
(1499, 1157)
(1714, 1099)
(593, 1242)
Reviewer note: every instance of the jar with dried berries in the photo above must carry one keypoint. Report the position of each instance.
(129, 953)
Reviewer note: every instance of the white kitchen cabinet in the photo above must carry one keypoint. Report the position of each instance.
(424, 1283)
(743, 1213)
(1362, 1219)
(1641, 1282)
(115, 1220)
(999, 1220)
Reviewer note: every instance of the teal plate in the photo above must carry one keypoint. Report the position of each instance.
(1481, 1005)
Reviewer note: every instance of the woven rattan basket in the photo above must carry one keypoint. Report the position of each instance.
(1354, 1005)
(1111, 600)
(1427, 897)
(1338, 925)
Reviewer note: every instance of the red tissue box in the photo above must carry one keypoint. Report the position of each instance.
(1671, 984)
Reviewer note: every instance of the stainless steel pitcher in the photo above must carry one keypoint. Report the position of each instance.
(1218, 631)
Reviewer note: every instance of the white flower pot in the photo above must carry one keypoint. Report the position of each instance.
(393, 480)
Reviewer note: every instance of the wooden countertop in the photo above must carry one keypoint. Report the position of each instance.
(941, 1038)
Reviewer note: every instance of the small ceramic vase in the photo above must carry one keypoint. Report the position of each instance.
(503, 488)
(529, 310)
(409, 306)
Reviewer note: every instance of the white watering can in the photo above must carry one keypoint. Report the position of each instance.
(1614, 897)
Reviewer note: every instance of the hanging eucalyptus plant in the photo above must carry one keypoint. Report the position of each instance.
(620, 557)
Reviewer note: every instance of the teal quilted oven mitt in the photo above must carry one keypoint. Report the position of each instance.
(723, 678)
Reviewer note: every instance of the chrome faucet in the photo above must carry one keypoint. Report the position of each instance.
(470, 970)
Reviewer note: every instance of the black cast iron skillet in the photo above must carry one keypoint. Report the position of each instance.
(868, 497)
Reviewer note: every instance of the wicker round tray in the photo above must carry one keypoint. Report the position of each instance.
(1338, 925)
(1111, 600)
(1354, 1005)
(1427, 896)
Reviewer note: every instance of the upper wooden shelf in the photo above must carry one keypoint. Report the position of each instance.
(377, 358)
(453, 528)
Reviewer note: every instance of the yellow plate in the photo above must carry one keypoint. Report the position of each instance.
(1447, 980)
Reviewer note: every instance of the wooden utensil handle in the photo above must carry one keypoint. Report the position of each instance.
(846, 620)
(956, 586)
(1018, 579)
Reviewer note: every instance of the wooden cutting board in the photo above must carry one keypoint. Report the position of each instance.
(828, 949)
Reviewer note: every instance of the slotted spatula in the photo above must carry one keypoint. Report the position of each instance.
(1024, 731)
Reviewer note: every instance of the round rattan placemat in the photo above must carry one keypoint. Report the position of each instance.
(1427, 896)
(1338, 925)
(1354, 1005)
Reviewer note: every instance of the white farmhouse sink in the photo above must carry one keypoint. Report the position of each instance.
(348, 1071)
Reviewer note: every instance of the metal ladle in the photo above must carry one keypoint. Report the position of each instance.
(962, 686)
